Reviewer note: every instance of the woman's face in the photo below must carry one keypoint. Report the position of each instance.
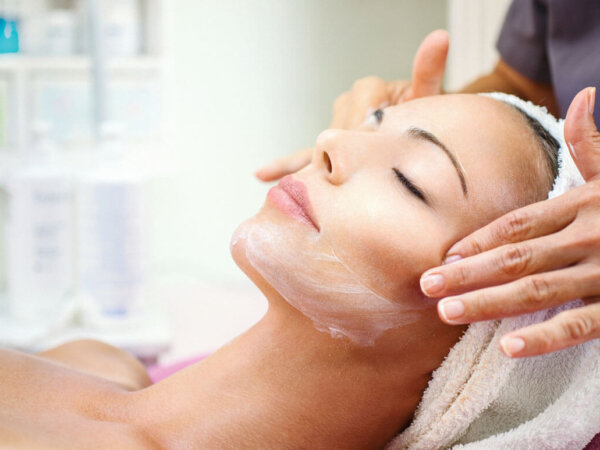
(346, 239)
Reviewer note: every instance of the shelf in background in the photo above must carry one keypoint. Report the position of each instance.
(147, 338)
(16, 63)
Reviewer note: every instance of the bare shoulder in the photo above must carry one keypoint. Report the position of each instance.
(102, 360)
(64, 433)
(44, 404)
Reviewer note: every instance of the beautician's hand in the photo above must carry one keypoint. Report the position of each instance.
(367, 94)
(533, 258)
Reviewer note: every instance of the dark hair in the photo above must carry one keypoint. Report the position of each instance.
(548, 143)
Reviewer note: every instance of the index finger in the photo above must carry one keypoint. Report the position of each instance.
(535, 220)
(367, 94)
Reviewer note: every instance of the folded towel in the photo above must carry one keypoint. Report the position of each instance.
(480, 399)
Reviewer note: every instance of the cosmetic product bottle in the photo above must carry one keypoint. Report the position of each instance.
(61, 31)
(39, 232)
(51, 28)
(122, 27)
(9, 25)
(111, 210)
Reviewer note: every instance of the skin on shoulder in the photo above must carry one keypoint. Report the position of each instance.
(101, 360)
(60, 400)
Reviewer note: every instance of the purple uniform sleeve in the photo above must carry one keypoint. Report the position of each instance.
(522, 41)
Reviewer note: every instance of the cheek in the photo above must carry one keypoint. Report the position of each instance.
(302, 267)
(386, 240)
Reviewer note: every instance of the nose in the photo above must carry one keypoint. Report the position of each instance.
(337, 154)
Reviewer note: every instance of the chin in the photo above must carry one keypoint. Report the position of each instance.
(237, 245)
(272, 247)
(237, 248)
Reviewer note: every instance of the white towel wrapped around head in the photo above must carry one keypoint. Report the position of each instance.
(568, 175)
(480, 399)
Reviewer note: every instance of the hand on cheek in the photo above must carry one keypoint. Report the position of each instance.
(534, 258)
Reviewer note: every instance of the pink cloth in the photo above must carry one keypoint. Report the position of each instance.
(160, 372)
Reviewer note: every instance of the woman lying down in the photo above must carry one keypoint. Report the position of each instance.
(350, 354)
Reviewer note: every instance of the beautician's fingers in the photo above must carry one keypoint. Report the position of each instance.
(570, 227)
(284, 166)
(582, 136)
(349, 111)
(528, 294)
(351, 108)
(551, 215)
(566, 329)
(367, 94)
(429, 66)
(504, 264)
(537, 219)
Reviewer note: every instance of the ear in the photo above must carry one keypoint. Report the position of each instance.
(582, 136)
(429, 66)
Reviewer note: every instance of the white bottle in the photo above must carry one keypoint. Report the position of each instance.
(39, 233)
(60, 32)
(112, 238)
(122, 27)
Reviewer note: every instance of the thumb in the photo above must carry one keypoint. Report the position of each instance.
(582, 136)
(429, 66)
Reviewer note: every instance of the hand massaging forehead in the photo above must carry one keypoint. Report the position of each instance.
(318, 275)
(481, 399)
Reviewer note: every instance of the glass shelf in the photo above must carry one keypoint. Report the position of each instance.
(21, 62)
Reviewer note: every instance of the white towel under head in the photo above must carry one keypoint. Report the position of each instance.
(480, 399)
(568, 175)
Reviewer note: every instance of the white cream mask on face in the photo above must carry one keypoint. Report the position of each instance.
(305, 270)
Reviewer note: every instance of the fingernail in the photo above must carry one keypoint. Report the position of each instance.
(451, 309)
(453, 250)
(572, 150)
(430, 284)
(591, 100)
(512, 345)
(451, 258)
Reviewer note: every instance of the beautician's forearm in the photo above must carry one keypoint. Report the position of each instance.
(505, 79)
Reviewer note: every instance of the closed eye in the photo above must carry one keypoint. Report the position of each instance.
(410, 186)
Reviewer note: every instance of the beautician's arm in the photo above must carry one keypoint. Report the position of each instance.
(367, 94)
(506, 79)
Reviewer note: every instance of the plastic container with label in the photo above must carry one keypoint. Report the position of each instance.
(111, 235)
(39, 233)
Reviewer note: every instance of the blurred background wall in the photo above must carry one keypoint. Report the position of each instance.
(474, 26)
(252, 81)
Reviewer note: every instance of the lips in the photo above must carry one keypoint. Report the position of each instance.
(291, 197)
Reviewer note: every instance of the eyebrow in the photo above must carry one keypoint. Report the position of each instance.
(419, 133)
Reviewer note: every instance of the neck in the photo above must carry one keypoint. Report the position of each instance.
(282, 383)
